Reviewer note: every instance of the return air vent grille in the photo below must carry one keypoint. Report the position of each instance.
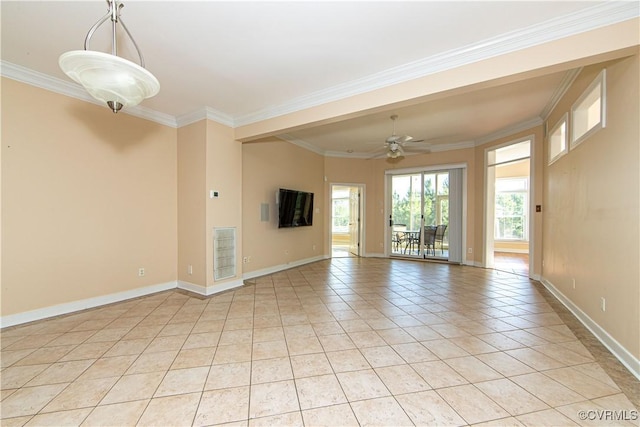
(224, 252)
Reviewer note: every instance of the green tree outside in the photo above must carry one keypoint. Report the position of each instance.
(406, 208)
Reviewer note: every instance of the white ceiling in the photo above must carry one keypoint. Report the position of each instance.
(247, 61)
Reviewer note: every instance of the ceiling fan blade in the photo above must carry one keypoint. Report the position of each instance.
(405, 138)
(378, 154)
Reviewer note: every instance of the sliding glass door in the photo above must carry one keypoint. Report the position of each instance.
(420, 209)
(436, 214)
(406, 214)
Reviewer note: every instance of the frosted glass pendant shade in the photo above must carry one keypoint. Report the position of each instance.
(108, 78)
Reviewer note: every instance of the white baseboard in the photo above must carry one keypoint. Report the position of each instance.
(375, 255)
(221, 287)
(192, 287)
(512, 251)
(281, 267)
(621, 353)
(70, 307)
(209, 290)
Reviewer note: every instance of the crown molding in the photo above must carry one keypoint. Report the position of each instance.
(190, 118)
(360, 155)
(518, 127)
(567, 80)
(44, 81)
(597, 16)
(205, 113)
(74, 90)
(300, 143)
(151, 115)
(354, 155)
(436, 148)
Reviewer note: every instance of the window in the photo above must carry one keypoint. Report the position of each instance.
(588, 113)
(340, 215)
(436, 198)
(558, 140)
(512, 206)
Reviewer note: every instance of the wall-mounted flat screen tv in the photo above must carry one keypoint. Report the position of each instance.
(295, 208)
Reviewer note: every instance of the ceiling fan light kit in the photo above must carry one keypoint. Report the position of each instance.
(395, 150)
(394, 144)
(116, 81)
(394, 154)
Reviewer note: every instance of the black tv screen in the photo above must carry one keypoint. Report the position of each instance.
(295, 208)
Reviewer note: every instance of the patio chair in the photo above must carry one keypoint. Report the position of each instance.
(429, 239)
(398, 237)
(439, 237)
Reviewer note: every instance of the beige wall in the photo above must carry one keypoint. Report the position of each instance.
(371, 173)
(88, 197)
(591, 216)
(209, 159)
(192, 228)
(266, 167)
(224, 175)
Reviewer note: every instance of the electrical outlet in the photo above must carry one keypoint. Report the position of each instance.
(141, 272)
(245, 260)
(190, 269)
(470, 250)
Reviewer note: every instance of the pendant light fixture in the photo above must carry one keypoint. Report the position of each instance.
(107, 77)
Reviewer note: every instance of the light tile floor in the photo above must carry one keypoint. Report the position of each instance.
(512, 263)
(340, 342)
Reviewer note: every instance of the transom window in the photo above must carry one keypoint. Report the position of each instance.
(588, 113)
(558, 146)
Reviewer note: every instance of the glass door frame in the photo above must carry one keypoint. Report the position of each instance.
(489, 203)
(407, 233)
(388, 241)
(361, 225)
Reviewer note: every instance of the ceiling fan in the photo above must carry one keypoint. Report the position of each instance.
(395, 144)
